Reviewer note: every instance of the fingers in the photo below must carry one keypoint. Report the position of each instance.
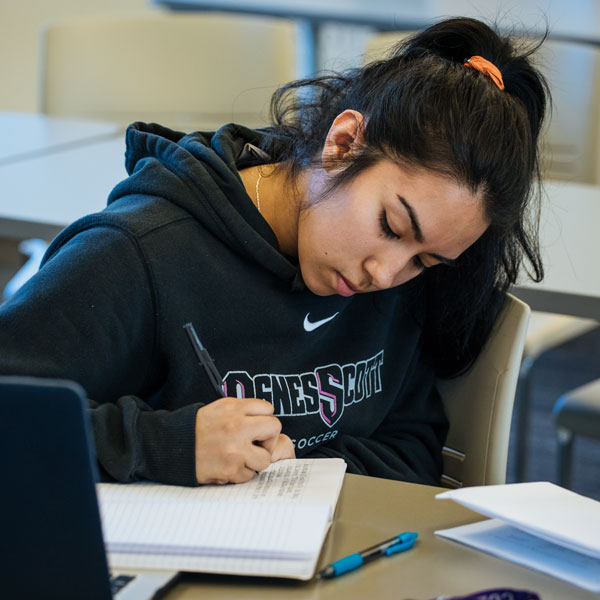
(269, 444)
(258, 458)
(263, 429)
(255, 406)
(234, 439)
(240, 476)
(244, 474)
(283, 449)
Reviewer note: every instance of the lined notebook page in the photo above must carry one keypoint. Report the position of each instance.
(272, 525)
(145, 522)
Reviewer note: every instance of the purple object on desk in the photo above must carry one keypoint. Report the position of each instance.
(495, 594)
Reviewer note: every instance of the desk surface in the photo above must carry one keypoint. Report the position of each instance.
(27, 135)
(371, 510)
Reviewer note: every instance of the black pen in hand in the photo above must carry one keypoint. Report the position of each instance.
(205, 360)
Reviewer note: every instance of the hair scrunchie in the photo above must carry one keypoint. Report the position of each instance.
(487, 68)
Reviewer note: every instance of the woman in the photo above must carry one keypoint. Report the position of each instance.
(332, 264)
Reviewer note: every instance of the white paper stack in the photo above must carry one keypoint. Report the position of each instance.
(539, 525)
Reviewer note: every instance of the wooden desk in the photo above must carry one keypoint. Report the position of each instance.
(27, 135)
(369, 511)
(570, 247)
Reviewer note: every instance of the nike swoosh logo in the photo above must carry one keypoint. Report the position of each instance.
(308, 326)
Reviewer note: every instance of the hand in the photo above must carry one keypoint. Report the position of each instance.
(235, 438)
(284, 448)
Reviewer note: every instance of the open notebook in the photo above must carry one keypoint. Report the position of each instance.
(273, 525)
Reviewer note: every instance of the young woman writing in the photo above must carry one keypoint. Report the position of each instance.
(333, 264)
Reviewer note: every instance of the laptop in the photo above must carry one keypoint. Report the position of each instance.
(50, 522)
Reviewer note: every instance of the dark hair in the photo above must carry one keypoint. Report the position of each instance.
(425, 109)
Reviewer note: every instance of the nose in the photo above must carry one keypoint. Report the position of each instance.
(385, 271)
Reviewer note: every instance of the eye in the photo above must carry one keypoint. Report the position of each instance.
(385, 227)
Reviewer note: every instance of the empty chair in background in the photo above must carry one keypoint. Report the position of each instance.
(185, 71)
(575, 413)
(571, 145)
(546, 331)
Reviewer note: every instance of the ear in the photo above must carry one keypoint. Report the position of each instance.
(345, 136)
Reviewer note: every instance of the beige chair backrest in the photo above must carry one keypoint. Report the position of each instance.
(479, 404)
(186, 71)
(571, 141)
(571, 149)
(381, 44)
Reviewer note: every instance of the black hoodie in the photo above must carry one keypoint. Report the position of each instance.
(180, 241)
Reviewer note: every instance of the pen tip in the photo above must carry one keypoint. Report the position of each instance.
(327, 573)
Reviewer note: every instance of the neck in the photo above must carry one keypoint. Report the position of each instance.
(279, 204)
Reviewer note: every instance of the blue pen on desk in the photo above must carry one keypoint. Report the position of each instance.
(205, 360)
(399, 543)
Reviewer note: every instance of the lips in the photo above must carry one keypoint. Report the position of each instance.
(344, 287)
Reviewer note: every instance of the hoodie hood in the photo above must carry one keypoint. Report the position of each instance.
(199, 172)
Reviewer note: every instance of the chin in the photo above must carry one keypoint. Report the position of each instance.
(316, 287)
(319, 292)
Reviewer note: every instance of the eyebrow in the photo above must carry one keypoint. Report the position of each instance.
(418, 232)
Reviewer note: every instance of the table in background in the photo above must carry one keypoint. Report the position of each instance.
(42, 194)
(570, 247)
(28, 135)
(369, 511)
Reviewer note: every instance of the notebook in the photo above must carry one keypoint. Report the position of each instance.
(274, 525)
(536, 524)
(51, 533)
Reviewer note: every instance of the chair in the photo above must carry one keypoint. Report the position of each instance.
(380, 44)
(571, 142)
(546, 331)
(186, 71)
(479, 404)
(575, 413)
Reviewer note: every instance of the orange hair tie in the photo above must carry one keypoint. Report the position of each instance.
(487, 68)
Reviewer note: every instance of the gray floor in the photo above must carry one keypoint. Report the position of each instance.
(557, 371)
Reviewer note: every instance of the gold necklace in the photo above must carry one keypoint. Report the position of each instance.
(257, 194)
